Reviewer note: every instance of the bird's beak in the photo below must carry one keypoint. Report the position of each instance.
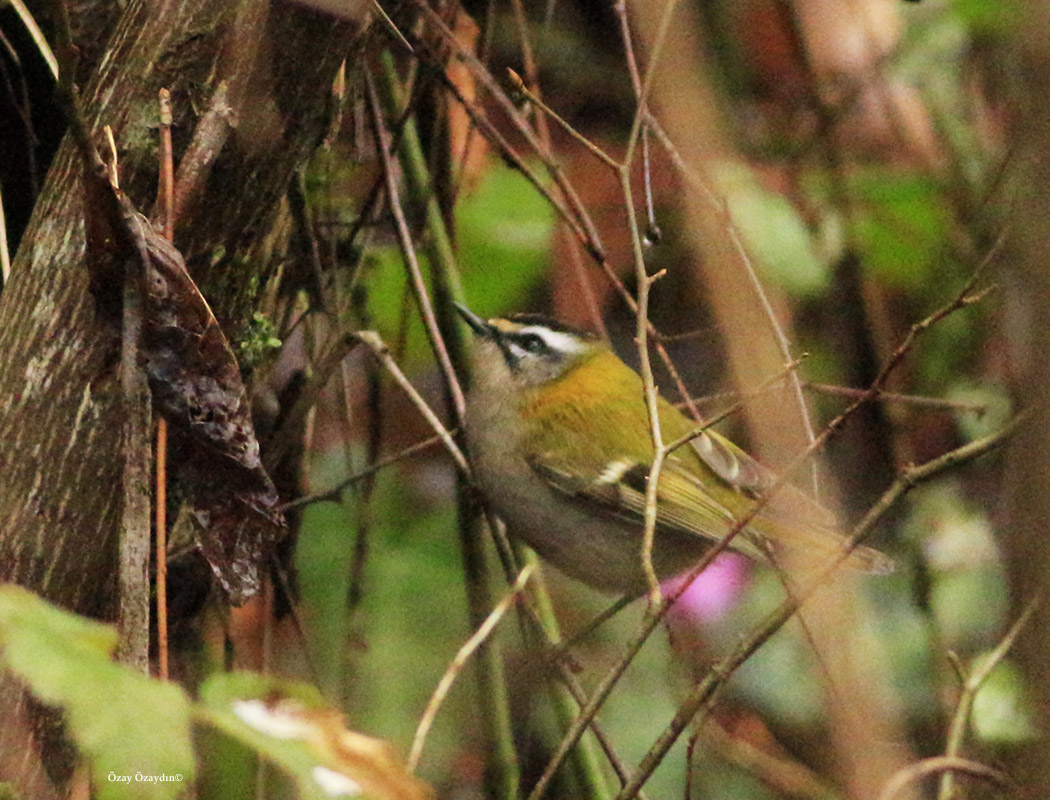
(476, 323)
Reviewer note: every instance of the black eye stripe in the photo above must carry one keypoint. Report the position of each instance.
(519, 345)
(527, 341)
(508, 354)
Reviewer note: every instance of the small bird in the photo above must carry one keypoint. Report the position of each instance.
(559, 440)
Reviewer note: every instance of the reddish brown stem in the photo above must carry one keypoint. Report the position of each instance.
(165, 199)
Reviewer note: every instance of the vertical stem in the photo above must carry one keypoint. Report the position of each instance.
(419, 289)
(645, 281)
(166, 200)
(162, 548)
(133, 648)
(502, 773)
(166, 184)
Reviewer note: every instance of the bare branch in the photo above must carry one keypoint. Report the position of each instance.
(972, 684)
(382, 352)
(948, 765)
(462, 656)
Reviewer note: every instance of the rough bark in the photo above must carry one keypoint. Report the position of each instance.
(60, 407)
(1027, 545)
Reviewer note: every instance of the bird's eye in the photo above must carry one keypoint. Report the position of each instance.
(531, 343)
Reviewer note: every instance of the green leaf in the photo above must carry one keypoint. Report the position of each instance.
(504, 229)
(233, 704)
(997, 407)
(987, 16)
(503, 239)
(289, 724)
(773, 232)
(1000, 715)
(134, 730)
(901, 224)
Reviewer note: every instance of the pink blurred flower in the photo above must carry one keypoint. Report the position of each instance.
(713, 592)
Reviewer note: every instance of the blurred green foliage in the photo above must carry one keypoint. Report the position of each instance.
(380, 656)
(135, 732)
(258, 342)
(126, 724)
(1001, 715)
(901, 226)
(773, 232)
(384, 658)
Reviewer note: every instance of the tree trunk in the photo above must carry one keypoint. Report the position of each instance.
(60, 402)
(1027, 545)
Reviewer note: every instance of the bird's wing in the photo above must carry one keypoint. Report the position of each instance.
(744, 474)
(618, 487)
(731, 464)
(705, 487)
(788, 517)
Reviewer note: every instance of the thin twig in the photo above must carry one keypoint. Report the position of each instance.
(641, 113)
(373, 341)
(896, 397)
(165, 199)
(652, 233)
(702, 696)
(531, 72)
(408, 250)
(390, 26)
(334, 493)
(937, 765)
(532, 97)
(460, 660)
(690, 175)
(645, 281)
(209, 137)
(971, 686)
(37, 36)
(921, 401)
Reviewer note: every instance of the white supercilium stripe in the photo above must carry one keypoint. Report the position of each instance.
(615, 470)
